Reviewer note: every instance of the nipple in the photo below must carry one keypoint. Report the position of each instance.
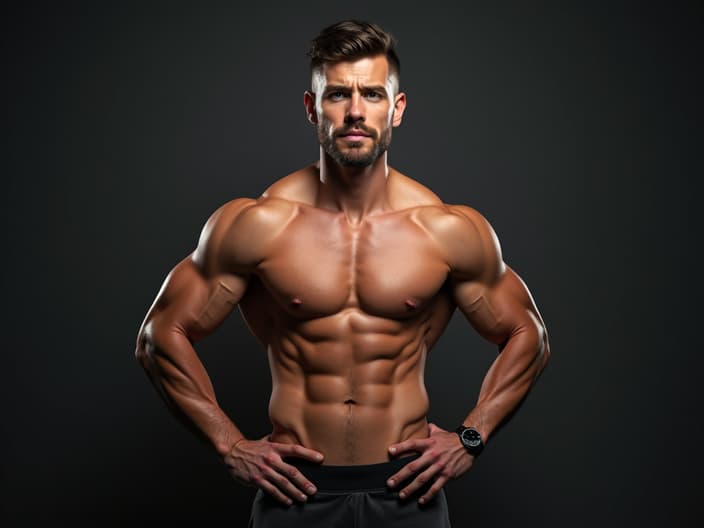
(296, 302)
(411, 303)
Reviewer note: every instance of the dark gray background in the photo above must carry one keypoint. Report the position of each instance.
(575, 130)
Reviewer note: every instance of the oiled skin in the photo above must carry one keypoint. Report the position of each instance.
(347, 272)
(348, 313)
(348, 361)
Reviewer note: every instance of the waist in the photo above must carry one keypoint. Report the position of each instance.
(348, 433)
(355, 478)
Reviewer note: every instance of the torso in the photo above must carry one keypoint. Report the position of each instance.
(348, 314)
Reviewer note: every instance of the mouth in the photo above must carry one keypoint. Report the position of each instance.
(354, 135)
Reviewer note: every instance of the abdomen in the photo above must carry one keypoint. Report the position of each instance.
(352, 396)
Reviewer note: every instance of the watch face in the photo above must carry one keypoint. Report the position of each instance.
(471, 438)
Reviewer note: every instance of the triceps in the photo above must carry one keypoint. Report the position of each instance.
(222, 299)
(220, 303)
(482, 313)
(484, 317)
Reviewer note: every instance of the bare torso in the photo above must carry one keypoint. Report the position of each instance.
(348, 313)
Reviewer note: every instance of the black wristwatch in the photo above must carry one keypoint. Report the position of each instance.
(471, 440)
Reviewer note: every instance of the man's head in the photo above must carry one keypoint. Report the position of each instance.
(355, 99)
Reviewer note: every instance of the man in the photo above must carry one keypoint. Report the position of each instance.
(347, 271)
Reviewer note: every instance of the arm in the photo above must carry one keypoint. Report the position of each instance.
(196, 297)
(500, 308)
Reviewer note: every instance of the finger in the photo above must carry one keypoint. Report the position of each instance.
(284, 484)
(414, 444)
(420, 481)
(272, 490)
(298, 451)
(408, 471)
(434, 490)
(295, 476)
(432, 428)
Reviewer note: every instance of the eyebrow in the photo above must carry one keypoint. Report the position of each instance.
(342, 88)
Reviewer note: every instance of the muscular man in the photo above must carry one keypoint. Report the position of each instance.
(347, 272)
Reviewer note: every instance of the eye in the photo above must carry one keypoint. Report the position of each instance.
(336, 95)
(374, 95)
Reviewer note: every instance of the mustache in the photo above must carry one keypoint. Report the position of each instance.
(357, 127)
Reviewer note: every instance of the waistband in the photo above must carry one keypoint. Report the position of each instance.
(350, 478)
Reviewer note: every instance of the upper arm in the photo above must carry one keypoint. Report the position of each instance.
(489, 293)
(202, 289)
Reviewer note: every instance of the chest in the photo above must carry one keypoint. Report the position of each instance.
(320, 265)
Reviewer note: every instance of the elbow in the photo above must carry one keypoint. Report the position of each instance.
(157, 341)
(146, 347)
(536, 346)
(144, 350)
(543, 352)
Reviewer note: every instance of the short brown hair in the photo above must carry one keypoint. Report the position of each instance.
(353, 39)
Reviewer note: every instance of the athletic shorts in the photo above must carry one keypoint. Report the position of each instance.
(351, 497)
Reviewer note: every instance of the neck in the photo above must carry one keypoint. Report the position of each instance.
(354, 191)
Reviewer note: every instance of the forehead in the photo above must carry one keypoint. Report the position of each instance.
(365, 71)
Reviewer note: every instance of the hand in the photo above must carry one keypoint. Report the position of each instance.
(442, 457)
(259, 463)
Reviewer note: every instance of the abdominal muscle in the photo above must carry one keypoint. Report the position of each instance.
(349, 396)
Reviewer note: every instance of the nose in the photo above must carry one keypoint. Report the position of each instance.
(355, 109)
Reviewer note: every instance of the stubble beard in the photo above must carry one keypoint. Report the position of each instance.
(355, 156)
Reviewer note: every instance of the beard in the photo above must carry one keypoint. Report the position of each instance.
(354, 155)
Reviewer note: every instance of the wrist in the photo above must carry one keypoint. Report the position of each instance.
(471, 439)
(226, 447)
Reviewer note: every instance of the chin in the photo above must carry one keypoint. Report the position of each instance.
(355, 163)
(356, 159)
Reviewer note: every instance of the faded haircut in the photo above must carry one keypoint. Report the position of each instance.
(351, 40)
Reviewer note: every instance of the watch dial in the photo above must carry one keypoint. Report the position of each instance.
(471, 438)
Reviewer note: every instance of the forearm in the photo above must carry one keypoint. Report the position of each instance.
(182, 381)
(509, 379)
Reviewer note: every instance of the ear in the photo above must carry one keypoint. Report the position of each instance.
(399, 107)
(309, 103)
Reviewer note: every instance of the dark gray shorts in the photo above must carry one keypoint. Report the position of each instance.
(351, 497)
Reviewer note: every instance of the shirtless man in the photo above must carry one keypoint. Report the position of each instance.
(347, 272)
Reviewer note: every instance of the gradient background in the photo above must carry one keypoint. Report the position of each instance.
(575, 130)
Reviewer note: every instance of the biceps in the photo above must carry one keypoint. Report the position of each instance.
(193, 304)
(497, 311)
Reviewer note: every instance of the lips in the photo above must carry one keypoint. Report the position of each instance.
(354, 135)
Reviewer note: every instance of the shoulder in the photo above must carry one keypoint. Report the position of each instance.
(237, 234)
(408, 193)
(467, 239)
(298, 186)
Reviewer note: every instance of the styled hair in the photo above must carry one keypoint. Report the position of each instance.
(353, 39)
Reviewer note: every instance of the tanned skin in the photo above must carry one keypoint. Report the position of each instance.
(347, 274)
